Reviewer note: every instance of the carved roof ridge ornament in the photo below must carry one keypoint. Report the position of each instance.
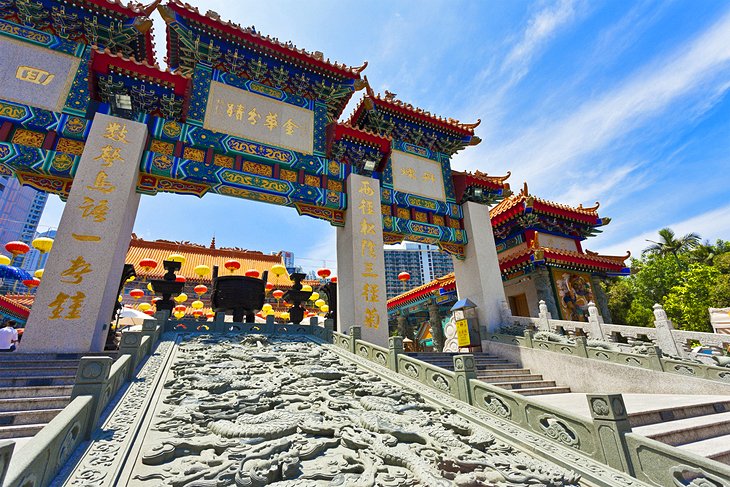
(282, 48)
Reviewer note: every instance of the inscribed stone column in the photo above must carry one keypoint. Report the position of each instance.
(477, 276)
(75, 300)
(361, 263)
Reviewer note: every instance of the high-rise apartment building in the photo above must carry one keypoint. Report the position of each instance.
(422, 261)
(20, 211)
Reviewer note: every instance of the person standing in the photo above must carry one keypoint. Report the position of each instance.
(8, 337)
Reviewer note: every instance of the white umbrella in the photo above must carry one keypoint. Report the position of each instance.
(131, 316)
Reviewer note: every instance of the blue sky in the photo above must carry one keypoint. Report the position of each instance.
(625, 103)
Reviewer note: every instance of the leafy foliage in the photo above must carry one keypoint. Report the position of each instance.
(682, 274)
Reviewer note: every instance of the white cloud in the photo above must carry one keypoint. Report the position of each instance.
(710, 225)
(549, 145)
(541, 27)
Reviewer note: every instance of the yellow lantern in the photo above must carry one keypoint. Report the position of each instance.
(266, 307)
(307, 288)
(178, 314)
(176, 258)
(144, 306)
(197, 304)
(38, 273)
(202, 270)
(131, 278)
(324, 308)
(181, 298)
(319, 303)
(284, 316)
(278, 270)
(314, 296)
(43, 244)
(150, 288)
(4, 260)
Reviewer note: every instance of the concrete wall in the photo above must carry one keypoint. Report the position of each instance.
(527, 287)
(594, 376)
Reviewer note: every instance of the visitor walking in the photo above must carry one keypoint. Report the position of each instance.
(8, 337)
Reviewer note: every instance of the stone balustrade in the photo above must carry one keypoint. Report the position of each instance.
(605, 437)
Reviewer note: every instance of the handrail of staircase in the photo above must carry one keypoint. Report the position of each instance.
(651, 359)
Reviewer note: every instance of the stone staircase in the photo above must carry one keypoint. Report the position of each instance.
(498, 372)
(34, 388)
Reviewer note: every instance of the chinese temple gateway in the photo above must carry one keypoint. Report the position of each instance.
(238, 114)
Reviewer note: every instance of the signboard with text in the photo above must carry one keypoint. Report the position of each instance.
(417, 175)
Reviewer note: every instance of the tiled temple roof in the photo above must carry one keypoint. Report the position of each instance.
(16, 305)
(196, 255)
(447, 282)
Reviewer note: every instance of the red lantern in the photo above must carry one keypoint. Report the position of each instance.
(200, 289)
(210, 314)
(17, 248)
(180, 279)
(154, 300)
(278, 294)
(180, 308)
(232, 265)
(32, 282)
(333, 280)
(403, 276)
(148, 264)
(136, 293)
(324, 273)
(149, 312)
(253, 273)
(197, 313)
(269, 286)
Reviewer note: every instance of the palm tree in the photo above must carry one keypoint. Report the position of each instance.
(668, 244)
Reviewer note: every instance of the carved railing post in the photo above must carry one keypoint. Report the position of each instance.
(355, 335)
(270, 326)
(581, 349)
(544, 315)
(91, 378)
(329, 328)
(529, 336)
(611, 424)
(6, 453)
(395, 348)
(655, 358)
(149, 328)
(594, 322)
(131, 345)
(664, 336)
(464, 370)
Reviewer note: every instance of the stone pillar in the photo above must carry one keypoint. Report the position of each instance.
(74, 303)
(465, 371)
(544, 290)
(611, 425)
(361, 296)
(395, 348)
(594, 323)
(91, 378)
(437, 332)
(355, 335)
(664, 337)
(478, 276)
(601, 299)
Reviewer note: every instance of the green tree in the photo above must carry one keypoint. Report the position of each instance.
(620, 295)
(706, 252)
(668, 244)
(686, 304)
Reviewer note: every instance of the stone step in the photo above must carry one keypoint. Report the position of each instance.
(493, 379)
(498, 372)
(688, 430)
(21, 364)
(61, 380)
(717, 448)
(489, 367)
(31, 403)
(35, 391)
(677, 412)
(539, 391)
(62, 369)
(20, 431)
(527, 384)
(33, 416)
